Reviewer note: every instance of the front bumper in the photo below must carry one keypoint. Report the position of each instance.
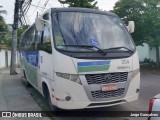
(81, 100)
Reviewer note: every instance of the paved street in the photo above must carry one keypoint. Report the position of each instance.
(13, 93)
(15, 97)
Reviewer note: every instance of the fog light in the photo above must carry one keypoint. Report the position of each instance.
(137, 91)
(68, 98)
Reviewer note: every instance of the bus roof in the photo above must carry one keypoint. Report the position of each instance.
(87, 10)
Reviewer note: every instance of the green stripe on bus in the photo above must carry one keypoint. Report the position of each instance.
(31, 72)
(93, 68)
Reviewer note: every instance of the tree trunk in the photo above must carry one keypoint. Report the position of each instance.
(6, 58)
(157, 57)
(13, 53)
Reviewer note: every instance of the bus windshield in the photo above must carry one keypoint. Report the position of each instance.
(75, 29)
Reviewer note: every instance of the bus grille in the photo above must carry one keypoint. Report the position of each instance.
(106, 78)
(108, 94)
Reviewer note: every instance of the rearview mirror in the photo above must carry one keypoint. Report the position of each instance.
(131, 26)
(40, 23)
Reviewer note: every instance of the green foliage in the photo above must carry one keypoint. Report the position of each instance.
(146, 60)
(3, 26)
(5, 38)
(146, 15)
(5, 34)
(80, 3)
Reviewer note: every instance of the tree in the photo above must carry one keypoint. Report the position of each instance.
(5, 39)
(146, 15)
(80, 3)
(3, 26)
(4, 33)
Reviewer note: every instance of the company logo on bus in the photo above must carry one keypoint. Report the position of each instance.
(31, 57)
(108, 77)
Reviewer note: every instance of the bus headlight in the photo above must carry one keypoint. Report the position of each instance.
(72, 77)
(132, 74)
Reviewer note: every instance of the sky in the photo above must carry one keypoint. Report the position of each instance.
(8, 5)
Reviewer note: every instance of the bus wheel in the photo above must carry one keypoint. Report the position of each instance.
(48, 98)
(26, 83)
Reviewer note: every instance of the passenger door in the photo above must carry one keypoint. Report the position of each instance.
(45, 66)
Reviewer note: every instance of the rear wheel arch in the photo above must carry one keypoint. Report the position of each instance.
(25, 81)
(47, 96)
(45, 90)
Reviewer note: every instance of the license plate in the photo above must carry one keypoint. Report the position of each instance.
(109, 87)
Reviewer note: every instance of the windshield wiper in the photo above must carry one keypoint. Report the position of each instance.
(89, 46)
(120, 48)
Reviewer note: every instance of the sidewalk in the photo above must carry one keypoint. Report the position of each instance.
(15, 97)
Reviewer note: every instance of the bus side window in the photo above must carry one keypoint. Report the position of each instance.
(45, 44)
(28, 39)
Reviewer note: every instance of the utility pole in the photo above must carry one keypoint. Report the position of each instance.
(14, 38)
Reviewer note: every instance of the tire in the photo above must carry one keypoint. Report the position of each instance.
(48, 98)
(25, 82)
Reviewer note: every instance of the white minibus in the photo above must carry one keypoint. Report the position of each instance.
(81, 58)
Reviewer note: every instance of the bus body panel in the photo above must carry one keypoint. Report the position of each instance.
(29, 61)
(45, 69)
(135, 61)
(63, 63)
